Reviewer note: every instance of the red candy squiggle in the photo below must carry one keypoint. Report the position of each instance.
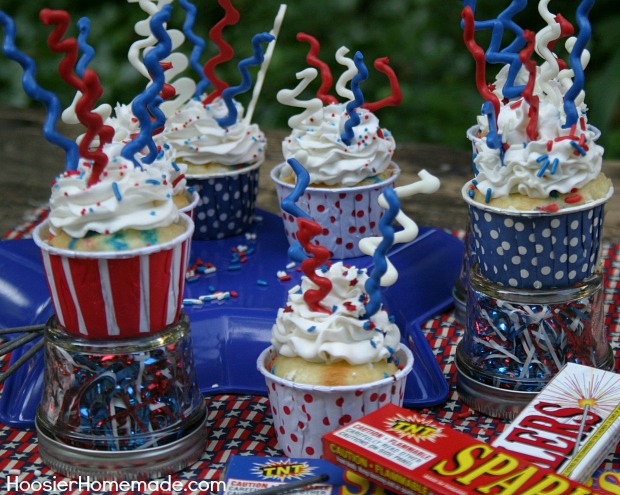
(319, 256)
(89, 86)
(479, 57)
(566, 29)
(528, 92)
(227, 52)
(383, 65)
(326, 75)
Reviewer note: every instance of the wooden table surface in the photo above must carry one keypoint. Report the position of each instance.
(30, 164)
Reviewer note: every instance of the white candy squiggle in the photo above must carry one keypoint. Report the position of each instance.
(184, 86)
(346, 77)
(550, 68)
(289, 97)
(427, 185)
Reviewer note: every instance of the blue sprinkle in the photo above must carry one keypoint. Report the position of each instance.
(234, 267)
(312, 328)
(487, 197)
(472, 193)
(366, 325)
(575, 145)
(542, 158)
(261, 282)
(153, 181)
(175, 166)
(334, 309)
(554, 165)
(542, 169)
(117, 193)
(373, 343)
(72, 243)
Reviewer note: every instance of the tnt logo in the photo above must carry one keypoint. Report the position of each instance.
(283, 470)
(415, 427)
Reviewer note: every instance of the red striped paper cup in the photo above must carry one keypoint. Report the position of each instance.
(116, 294)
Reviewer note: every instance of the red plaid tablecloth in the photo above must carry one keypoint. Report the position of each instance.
(242, 424)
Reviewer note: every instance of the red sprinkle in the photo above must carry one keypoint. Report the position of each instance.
(551, 208)
(575, 198)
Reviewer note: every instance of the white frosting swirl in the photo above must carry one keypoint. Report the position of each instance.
(341, 335)
(196, 136)
(330, 160)
(571, 156)
(125, 197)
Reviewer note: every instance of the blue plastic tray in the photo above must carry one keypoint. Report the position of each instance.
(228, 335)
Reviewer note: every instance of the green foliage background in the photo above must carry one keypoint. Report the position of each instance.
(422, 39)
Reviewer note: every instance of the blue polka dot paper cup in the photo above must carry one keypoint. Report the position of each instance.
(347, 214)
(536, 249)
(227, 202)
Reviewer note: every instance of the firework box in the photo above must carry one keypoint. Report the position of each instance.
(245, 474)
(606, 481)
(572, 425)
(411, 454)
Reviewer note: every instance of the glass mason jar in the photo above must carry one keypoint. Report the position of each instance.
(516, 340)
(120, 409)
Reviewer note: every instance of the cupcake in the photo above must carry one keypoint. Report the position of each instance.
(222, 165)
(221, 148)
(336, 354)
(325, 369)
(115, 249)
(537, 201)
(349, 161)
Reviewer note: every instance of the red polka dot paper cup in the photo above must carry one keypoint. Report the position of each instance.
(116, 294)
(536, 249)
(347, 214)
(302, 414)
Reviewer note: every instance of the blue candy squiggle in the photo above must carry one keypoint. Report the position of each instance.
(289, 205)
(246, 79)
(585, 32)
(35, 91)
(510, 54)
(494, 139)
(146, 105)
(373, 284)
(199, 46)
(88, 52)
(358, 101)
